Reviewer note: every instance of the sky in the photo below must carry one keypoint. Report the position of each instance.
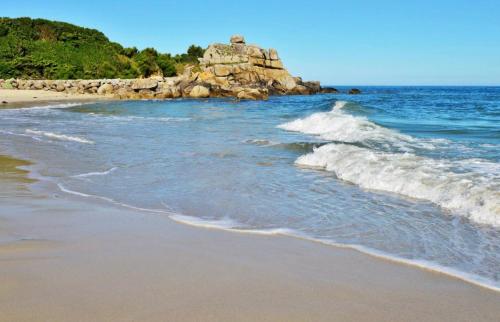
(347, 42)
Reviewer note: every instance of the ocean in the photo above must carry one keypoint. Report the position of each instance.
(409, 174)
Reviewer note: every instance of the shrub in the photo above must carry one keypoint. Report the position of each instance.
(39, 48)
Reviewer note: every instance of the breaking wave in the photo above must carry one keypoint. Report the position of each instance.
(336, 125)
(47, 107)
(92, 174)
(468, 193)
(61, 137)
(134, 118)
(467, 187)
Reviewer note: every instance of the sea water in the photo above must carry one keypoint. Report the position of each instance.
(411, 174)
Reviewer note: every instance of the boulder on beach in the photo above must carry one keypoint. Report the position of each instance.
(105, 89)
(145, 83)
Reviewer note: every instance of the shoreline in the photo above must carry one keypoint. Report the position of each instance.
(474, 280)
(203, 224)
(244, 247)
(28, 98)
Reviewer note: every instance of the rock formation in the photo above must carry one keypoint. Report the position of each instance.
(239, 66)
(226, 70)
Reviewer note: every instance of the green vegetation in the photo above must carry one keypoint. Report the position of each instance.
(43, 49)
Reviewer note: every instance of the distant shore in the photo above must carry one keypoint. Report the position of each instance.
(9, 97)
(64, 256)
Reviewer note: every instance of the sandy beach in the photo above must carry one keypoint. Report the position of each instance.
(10, 97)
(66, 258)
(330, 162)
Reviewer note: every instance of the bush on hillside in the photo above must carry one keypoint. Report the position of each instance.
(39, 48)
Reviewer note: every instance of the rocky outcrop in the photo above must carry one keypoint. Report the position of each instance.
(226, 70)
(237, 65)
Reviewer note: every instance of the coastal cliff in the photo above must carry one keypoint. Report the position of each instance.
(225, 70)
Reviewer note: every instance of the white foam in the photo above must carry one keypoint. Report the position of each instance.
(20, 134)
(336, 125)
(227, 224)
(339, 105)
(91, 174)
(84, 195)
(61, 137)
(470, 193)
(46, 107)
(76, 193)
(422, 264)
(262, 142)
(130, 118)
(484, 167)
(205, 223)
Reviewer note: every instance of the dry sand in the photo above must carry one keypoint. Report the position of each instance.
(14, 96)
(64, 258)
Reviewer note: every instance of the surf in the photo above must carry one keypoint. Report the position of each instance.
(459, 186)
(61, 137)
(468, 194)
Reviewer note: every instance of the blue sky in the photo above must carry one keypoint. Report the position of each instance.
(337, 42)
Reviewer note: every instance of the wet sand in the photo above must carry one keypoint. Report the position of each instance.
(65, 258)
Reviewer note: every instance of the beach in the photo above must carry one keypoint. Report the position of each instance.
(75, 246)
(67, 258)
(225, 165)
(30, 97)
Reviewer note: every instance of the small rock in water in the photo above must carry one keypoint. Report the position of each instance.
(354, 91)
(328, 90)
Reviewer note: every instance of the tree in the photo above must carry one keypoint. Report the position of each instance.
(39, 48)
(166, 64)
(146, 62)
(195, 51)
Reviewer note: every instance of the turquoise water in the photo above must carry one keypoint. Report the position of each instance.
(411, 174)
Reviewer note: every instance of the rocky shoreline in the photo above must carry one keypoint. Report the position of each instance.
(226, 70)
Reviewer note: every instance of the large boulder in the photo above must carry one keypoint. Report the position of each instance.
(252, 94)
(199, 91)
(60, 87)
(146, 83)
(273, 54)
(146, 94)
(105, 89)
(237, 39)
(329, 90)
(38, 84)
(315, 87)
(301, 90)
(222, 70)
